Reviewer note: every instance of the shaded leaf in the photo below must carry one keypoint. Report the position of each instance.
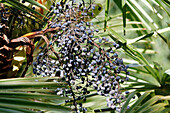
(106, 13)
(125, 105)
(23, 103)
(141, 98)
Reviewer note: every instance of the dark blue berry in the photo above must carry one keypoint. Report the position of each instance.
(113, 67)
(97, 30)
(114, 44)
(51, 7)
(34, 70)
(126, 92)
(127, 78)
(34, 63)
(104, 38)
(6, 9)
(127, 66)
(100, 40)
(23, 1)
(93, 7)
(118, 78)
(56, 11)
(33, 8)
(60, 7)
(87, 23)
(128, 73)
(66, 101)
(58, 3)
(115, 55)
(122, 81)
(107, 39)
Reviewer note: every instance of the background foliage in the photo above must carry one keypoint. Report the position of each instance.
(140, 27)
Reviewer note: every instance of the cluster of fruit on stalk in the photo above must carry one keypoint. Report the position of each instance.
(81, 59)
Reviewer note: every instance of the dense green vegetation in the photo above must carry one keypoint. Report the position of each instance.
(129, 40)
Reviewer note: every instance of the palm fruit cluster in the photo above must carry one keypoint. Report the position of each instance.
(80, 58)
